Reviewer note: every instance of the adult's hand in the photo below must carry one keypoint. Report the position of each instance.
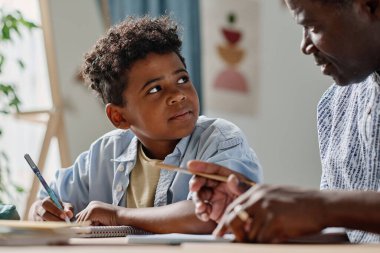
(212, 197)
(276, 214)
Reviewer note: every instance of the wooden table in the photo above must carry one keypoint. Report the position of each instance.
(114, 245)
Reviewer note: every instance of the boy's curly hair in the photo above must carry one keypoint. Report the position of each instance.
(106, 65)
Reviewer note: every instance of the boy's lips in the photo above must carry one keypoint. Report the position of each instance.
(181, 115)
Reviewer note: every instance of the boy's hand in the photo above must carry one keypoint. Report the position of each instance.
(212, 197)
(46, 210)
(99, 213)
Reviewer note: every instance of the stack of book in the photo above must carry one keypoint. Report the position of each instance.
(35, 233)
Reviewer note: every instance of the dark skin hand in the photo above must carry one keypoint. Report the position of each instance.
(46, 210)
(211, 197)
(178, 217)
(281, 213)
(274, 215)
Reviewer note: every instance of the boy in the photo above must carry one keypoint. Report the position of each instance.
(139, 73)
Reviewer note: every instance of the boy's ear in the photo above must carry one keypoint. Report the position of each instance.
(115, 115)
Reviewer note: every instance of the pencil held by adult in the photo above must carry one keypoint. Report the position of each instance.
(211, 197)
(220, 178)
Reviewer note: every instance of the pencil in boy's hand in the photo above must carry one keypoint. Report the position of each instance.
(49, 191)
(161, 165)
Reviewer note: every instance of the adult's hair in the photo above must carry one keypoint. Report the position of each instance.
(107, 64)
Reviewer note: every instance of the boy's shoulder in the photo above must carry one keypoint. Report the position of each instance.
(114, 137)
(223, 127)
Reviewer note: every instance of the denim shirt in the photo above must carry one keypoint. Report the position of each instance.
(102, 172)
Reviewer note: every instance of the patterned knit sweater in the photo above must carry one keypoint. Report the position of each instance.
(349, 141)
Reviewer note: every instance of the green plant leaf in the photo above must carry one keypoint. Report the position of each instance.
(2, 61)
(28, 24)
(5, 35)
(11, 24)
(21, 64)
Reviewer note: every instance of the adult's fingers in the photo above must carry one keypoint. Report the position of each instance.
(222, 227)
(229, 215)
(236, 186)
(196, 183)
(209, 168)
(203, 210)
(237, 227)
(255, 227)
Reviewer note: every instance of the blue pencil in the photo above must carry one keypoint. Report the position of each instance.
(51, 193)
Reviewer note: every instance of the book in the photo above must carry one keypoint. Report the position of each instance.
(176, 239)
(34, 233)
(107, 231)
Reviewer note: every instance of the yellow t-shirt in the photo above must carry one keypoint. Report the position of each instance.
(142, 182)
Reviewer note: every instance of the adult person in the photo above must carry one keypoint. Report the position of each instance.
(344, 38)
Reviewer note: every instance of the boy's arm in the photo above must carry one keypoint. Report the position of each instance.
(174, 218)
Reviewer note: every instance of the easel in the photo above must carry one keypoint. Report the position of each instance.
(53, 118)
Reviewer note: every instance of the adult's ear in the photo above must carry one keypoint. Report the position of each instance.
(115, 115)
(371, 7)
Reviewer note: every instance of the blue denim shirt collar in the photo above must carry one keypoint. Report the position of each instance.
(130, 153)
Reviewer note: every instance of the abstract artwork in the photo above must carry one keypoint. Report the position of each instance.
(230, 55)
(230, 52)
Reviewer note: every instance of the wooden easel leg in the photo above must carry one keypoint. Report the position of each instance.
(50, 132)
(62, 143)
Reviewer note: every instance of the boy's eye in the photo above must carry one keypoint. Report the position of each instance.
(154, 89)
(183, 79)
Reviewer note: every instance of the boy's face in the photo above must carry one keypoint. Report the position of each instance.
(341, 39)
(161, 103)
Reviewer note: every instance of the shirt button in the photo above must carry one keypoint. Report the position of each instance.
(119, 188)
(120, 168)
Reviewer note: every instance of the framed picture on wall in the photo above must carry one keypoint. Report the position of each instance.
(230, 55)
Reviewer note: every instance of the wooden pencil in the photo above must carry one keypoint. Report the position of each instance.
(161, 165)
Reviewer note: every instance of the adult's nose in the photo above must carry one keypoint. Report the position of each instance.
(307, 46)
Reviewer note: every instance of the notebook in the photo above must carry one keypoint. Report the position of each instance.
(108, 231)
(330, 235)
(176, 238)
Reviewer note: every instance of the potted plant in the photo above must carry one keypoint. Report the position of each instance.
(12, 24)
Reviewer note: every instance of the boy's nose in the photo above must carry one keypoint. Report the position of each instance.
(176, 97)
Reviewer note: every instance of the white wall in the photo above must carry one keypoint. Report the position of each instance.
(76, 27)
(283, 129)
